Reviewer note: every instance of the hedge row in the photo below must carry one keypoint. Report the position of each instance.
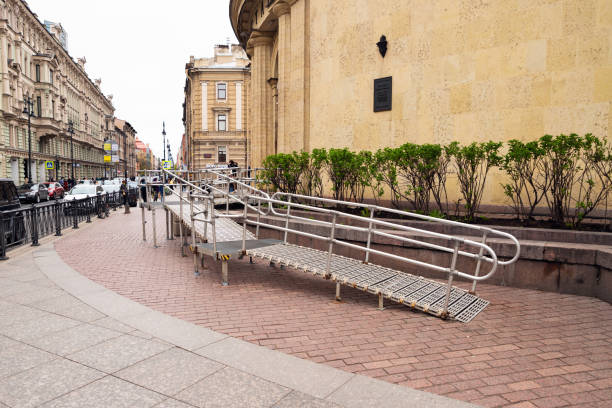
(571, 174)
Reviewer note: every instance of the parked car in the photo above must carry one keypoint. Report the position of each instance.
(32, 193)
(14, 226)
(56, 191)
(111, 188)
(79, 192)
(83, 191)
(9, 198)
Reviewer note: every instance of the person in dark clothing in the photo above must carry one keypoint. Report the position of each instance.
(143, 190)
(232, 164)
(123, 191)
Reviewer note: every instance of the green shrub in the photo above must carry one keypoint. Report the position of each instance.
(528, 186)
(283, 171)
(472, 164)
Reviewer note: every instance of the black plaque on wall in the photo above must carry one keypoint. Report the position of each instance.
(382, 94)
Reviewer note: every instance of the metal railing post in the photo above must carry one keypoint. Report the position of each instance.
(244, 223)
(88, 210)
(331, 244)
(367, 255)
(181, 220)
(154, 227)
(142, 211)
(34, 220)
(3, 256)
(75, 219)
(451, 274)
(58, 226)
(227, 197)
(287, 220)
(193, 236)
(100, 206)
(258, 217)
(478, 264)
(213, 224)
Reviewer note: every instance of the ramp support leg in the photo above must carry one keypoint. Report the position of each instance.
(224, 273)
(451, 275)
(154, 228)
(338, 298)
(381, 302)
(144, 231)
(196, 271)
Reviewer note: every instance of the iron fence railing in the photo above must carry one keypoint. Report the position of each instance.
(24, 226)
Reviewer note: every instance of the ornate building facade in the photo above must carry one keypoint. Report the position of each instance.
(125, 136)
(35, 65)
(216, 109)
(460, 70)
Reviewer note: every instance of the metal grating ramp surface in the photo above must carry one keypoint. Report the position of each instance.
(413, 291)
(226, 229)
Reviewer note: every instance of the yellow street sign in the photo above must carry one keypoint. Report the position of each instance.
(167, 164)
(107, 147)
(107, 159)
(49, 165)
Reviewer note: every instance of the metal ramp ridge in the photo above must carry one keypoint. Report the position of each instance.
(415, 292)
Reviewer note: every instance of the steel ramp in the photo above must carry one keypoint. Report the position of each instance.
(415, 292)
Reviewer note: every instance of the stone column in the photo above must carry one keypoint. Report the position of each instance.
(282, 11)
(299, 67)
(261, 98)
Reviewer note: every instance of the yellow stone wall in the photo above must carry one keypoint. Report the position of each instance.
(462, 70)
(465, 70)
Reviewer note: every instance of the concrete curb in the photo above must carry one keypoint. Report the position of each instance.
(317, 380)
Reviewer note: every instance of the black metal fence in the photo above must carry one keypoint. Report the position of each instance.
(27, 225)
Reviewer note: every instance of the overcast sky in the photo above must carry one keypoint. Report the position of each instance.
(139, 48)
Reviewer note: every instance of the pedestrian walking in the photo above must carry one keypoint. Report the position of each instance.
(123, 190)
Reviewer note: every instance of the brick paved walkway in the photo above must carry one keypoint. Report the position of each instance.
(527, 349)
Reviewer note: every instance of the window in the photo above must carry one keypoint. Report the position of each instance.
(37, 73)
(221, 91)
(39, 106)
(221, 154)
(51, 76)
(222, 123)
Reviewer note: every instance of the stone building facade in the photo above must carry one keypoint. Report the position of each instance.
(34, 64)
(216, 109)
(125, 136)
(461, 70)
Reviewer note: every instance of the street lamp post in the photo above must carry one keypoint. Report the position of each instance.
(71, 131)
(28, 109)
(125, 157)
(164, 145)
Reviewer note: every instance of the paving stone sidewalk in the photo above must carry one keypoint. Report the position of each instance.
(66, 341)
(527, 349)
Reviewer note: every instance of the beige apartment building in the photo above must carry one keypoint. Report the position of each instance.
(34, 64)
(459, 70)
(125, 137)
(216, 109)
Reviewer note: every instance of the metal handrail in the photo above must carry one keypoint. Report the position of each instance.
(492, 259)
(378, 208)
(205, 184)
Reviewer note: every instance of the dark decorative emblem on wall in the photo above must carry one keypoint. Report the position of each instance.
(382, 46)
